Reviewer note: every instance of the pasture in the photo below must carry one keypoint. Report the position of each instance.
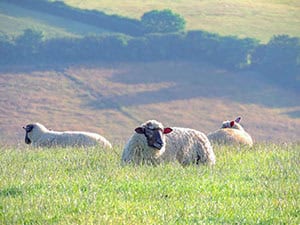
(258, 185)
(255, 19)
(14, 20)
(89, 186)
(112, 99)
(259, 19)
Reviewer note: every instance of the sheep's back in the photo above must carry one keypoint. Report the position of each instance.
(72, 139)
(230, 137)
(189, 146)
(91, 138)
(76, 138)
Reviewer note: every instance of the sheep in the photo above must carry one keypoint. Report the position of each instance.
(231, 133)
(152, 143)
(39, 136)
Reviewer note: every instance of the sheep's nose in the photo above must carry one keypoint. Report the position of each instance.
(160, 142)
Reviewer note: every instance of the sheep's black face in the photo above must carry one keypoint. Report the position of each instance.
(28, 129)
(154, 136)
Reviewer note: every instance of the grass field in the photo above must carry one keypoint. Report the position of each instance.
(260, 19)
(112, 99)
(14, 19)
(89, 186)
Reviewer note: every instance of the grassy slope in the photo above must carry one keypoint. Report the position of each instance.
(61, 186)
(259, 19)
(14, 19)
(114, 99)
(256, 19)
(75, 186)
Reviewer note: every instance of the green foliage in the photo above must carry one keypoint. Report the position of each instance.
(227, 52)
(6, 49)
(279, 59)
(281, 48)
(258, 185)
(29, 42)
(164, 21)
(30, 37)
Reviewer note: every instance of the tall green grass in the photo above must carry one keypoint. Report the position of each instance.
(89, 186)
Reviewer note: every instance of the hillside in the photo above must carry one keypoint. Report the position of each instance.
(113, 99)
(260, 19)
(15, 19)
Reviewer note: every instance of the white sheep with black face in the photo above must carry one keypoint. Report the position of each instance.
(39, 136)
(152, 143)
(231, 133)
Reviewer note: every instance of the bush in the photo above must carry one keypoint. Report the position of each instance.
(164, 21)
(279, 60)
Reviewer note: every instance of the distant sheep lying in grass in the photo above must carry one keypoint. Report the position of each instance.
(231, 133)
(152, 143)
(39, 136)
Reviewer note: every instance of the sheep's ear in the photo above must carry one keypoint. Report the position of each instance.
(167, 130)
(28, 128)
(231, 123)
(140, 130)
(237, 120)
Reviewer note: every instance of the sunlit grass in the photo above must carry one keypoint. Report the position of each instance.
(14, 20)
(86, 186)
(256, 19)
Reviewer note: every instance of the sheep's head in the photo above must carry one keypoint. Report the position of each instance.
(235, 124)
(33, 131)
(154, 133)
(28, 129)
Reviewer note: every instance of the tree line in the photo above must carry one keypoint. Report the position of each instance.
(229, 52)
(279, 58)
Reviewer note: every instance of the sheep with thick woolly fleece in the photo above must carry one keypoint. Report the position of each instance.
(39, 136)
(231, 133)
(152, 143)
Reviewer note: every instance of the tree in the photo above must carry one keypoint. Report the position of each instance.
(28, 43)
(279, 59)
(233, 53)
(164, 21)
(7, 49)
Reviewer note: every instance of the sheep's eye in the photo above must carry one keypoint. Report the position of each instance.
(29, 128)
(149, 132)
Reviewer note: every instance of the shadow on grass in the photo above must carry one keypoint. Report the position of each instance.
(191, 80)
(293, 114)
(10, 192)
(185, 80)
